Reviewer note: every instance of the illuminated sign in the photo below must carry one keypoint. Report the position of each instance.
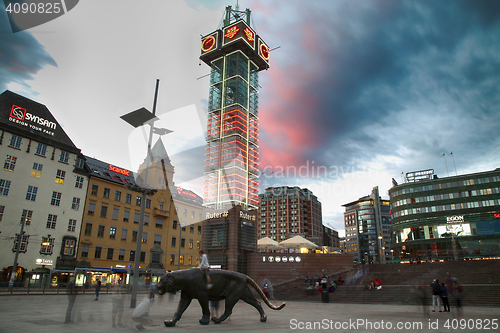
(419, 175)
(217, 215)
(239, 31)
(247, 216)
(497, 216)
(46, 262)
(455, 219)
(249, 34)
(119, 170)
(264, 51)
(180, 191)
(20, 116)
(281, 259)
(231, 32)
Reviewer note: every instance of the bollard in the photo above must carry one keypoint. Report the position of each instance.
(325, 293)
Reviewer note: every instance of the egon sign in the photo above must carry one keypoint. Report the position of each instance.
(20, 116)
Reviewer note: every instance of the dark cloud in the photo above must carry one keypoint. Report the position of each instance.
(410, 80)
(21, 55)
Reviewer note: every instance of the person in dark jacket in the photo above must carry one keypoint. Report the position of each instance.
(436, 293)
(444, 298)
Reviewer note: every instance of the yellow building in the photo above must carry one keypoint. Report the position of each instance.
(109, 232)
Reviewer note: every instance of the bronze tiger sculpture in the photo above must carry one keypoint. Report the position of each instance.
(227, 285)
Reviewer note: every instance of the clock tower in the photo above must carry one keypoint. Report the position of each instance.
(235, 54)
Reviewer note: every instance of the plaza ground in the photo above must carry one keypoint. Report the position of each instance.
(46, 313)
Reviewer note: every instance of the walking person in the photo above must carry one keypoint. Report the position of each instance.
(436, 293)
(444, 298)
(457, 294)
(204, 266)
(118, 305)
(97, 288)
(72, 292)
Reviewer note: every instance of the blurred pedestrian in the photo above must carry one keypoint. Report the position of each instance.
(72, 291)
(118, 305)
(444, 298)
(97, 288)
(457, 294)
(141, 314)
(436, 295)
(214, 309)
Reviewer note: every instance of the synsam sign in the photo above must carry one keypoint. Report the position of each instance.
(19, 116)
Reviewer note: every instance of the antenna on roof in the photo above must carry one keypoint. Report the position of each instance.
(451, 153)
(446, 165)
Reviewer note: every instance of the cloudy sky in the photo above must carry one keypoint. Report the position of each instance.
(358, 92)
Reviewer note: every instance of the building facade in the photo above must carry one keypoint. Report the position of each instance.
(235, 54)
(42, 190)
(331, 239)
(447, 218)
(367, 229)
(286, 212)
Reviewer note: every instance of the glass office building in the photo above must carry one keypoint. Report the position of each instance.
(447, 218)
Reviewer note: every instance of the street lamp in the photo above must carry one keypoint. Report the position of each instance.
(380, 250)
(392, 255)
(138, 118)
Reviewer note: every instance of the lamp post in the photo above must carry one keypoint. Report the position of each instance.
(380, 250)
(14, 266)
(138, 118)
(392, 255)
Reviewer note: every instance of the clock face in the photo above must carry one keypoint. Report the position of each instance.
(264, 51)
(209, 43)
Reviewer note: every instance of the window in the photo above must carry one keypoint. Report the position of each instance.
(134, 235)
(118, 195)
(56, 198)
(124, 233)
(121, 255)
(79, 182)
(173, 241)
(132, 255)
(157, 240)
(115, 213)
(88, 229)
(85, 250)
(64, 157)
(138, 200)
(137, 217)
(181, 259)
(15, 141)
(31, 193)
(172, 259)
(192, 214)
(191, 244)
(191, 228)
(4, 187)
(110, 253)
(10, 163)
(37, 170)
(185, 212)
(128, 198)
(91, 208)
(198, 245)
(126, 214)
(95, 187)
(106, 192)
(100, 231)
(161, 205)
(71, 225)
(75, 204)
(199, 230)
(112, 232)
(146, 219)
(148, 203)
(47, 245)
(97, 253)
(143, 256)
(159, 222)
(190, 260)
(60, 174)
(2, 209)
(51, 221)
(183, 242)
(104, 210)
(69, 247)
(155, 258)
(174, 224)
(26, 216)
(41, 149)
(24, 243)
(144, 237)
